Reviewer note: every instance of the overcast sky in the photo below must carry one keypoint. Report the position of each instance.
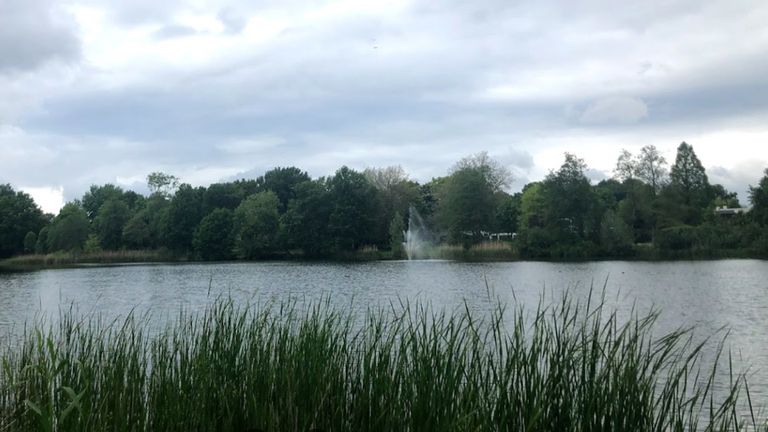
(98, 91)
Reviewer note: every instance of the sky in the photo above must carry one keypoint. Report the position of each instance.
(107, 91)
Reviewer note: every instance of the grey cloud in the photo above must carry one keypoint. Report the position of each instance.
(611, 110)
(739, 178)
(34, 32)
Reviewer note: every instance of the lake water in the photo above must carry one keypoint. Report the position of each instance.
(709, 295)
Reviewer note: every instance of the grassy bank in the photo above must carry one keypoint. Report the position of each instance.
(276, 368)
(66, 259)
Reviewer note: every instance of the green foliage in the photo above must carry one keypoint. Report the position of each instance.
(616, 238)
(467, 205)
(282, 182)
(570, 201)
(395, 194)
(353, 214)
(213, 238)
(508, 213)
(30, 240)
(256, 224)
(758, 196)
(18, 215)
(184, 214)
(110, 221)
(136, 232)
(162, 184)
(352, 219)
(222, 196)
(396, 238)
(69, 229)
(92, 244)
(305, 223)
(97, 196)
(651, 168)
(41, 245)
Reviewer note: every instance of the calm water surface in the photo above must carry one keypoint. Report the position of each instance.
(710, 295)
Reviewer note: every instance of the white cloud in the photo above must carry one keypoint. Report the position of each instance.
(50, 199)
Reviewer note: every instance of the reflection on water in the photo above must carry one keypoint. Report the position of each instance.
(708, 295)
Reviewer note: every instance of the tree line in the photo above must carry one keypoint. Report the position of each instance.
(649, 209)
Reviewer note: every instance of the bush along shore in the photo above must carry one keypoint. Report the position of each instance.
(284, 367)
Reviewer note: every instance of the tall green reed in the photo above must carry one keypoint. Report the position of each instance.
(566, 365)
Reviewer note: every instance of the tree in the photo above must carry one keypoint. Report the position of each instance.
(395, 194)
(109, 223)
(495, 174)
(571, 202)
(222, 195)
(352, 220)
(41, 246)
(467, 205)
(689, 192)
(396, 237)
(213, 238)
(162, 184)
(651, 167)
(184, 214)
(508, 213)
(306, 220)
(758, 196)
(97, 196)
(616, 236)
(256, 224)
(30, 240)
(18, 215)
(69, 229)
(626, 166)
(282, 181)
(136, 232)
(688, 174)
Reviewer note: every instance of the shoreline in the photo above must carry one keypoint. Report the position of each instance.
(128, 258)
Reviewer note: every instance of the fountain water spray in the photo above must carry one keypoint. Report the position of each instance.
(417, 238)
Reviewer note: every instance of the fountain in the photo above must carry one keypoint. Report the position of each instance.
(417, 238)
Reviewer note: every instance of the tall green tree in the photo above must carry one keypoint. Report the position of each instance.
(688, 173)
(616, 237)
(30, 240)
(282, 182)
(496, 175)
(571, 201)
(18, 215)
(305, 222)
(689, 193)
(256, 225)
(396, 237)
(222, 195)
(184, 214)
(213, 240)
(136, 232)
(352, 220)
(395, 194)
(162, 184)
(97, 196)
(467, 205)
(651, 167)
(69, 229)
(109, 223)
(758, 196)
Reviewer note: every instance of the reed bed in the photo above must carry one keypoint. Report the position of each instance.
(65, 259)
(567, 366)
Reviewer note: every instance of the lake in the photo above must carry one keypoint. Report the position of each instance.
(709, 295)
